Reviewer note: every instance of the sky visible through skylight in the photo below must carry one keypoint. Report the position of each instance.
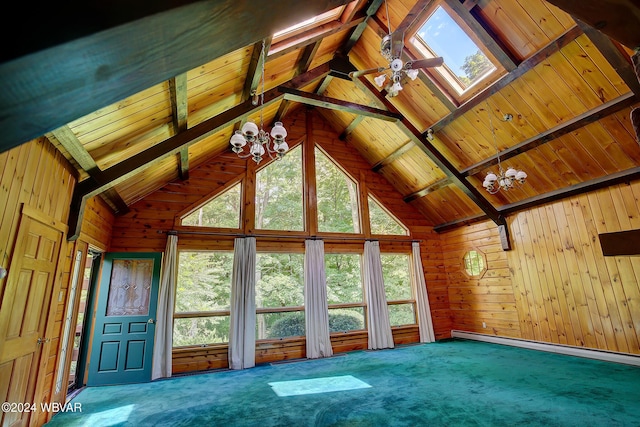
(445, 37)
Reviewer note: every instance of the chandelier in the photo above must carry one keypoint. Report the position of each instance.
(257, 138)
(504, 180)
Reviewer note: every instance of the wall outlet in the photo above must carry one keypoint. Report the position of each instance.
(484, 324)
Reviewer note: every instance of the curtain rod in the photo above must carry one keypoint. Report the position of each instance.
(229, 234)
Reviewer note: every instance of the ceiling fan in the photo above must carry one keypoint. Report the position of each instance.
(391, 48)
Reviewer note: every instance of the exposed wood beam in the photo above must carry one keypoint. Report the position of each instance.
(135, 48)
(428, 189)
(583, 187)
(179, 113)
(486, 38)
(359, 29)
(308, 54)
(349, 129)
(393, 156)
(591, 116)
(441, 161)
(413, 14)
(619, 19)
(522, 68)
(114, 175)
(65, 136)
(459, 223)
(340, 105)
(619, 61)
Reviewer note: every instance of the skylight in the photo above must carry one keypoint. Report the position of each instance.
(465, 64)
(298, 28)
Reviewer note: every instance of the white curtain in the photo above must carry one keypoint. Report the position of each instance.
(163, 341)
(242, 330)
(419, 285)
(316, 311)
(380, 335)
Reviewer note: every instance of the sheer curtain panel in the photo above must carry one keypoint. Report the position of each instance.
(242, 330)
(380, 335)
(163, 341)
(316, 311)
(422, 300)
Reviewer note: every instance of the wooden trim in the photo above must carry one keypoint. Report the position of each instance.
(39, 216)
(620, 243)
(309, 185)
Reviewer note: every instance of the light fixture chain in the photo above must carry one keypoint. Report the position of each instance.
(263, 60)
(493, 133)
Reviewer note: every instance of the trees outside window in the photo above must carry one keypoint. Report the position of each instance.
(203, 298)
(337, 196)
(344, 292)
(397, 287)
(223, 211)
(279, 295)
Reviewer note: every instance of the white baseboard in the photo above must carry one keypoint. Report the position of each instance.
(607, 356)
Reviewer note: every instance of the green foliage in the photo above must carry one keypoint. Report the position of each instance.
(337, 197)
(395, 272)
(344, 280)
(279, 280)
(293, 324)
(383, 223)
(222, 211)
(279, 194)
(475, 66)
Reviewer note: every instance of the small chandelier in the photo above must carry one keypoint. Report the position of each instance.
(503, 180)
(257, 138)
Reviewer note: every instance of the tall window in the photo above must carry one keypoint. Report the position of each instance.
(279, 194)
(222, 211)
(382, 222)
(279, 295)
(397, 287)
(203, 298)
(337, 196)
(344, 292)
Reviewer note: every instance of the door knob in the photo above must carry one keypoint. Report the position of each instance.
(151, 321)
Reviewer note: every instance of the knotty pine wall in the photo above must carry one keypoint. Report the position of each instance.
(35, 174)
(138, 231)
(555, 286)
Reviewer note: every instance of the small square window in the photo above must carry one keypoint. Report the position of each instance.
(465, 63)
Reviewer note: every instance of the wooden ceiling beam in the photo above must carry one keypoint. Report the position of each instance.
(307, 98)
(459, 223)
(440, 160)
(619, 19)
(573, 190)
(553, 47)
(135, 48)
(393, 156)
(65, 136)
(179, 113)
(428, 189)
(116, 174)
(606, 109)
(356, 33)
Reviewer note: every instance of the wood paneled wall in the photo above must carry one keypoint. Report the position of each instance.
(555, 286)
(36, 175)
(138, 230)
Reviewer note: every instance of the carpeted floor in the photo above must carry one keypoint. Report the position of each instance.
(448, 383)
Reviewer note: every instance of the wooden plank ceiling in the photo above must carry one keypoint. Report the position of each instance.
(159, 90)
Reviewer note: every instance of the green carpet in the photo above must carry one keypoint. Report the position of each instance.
(449, 383)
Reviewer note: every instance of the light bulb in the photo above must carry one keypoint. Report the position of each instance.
(238, 140)
(491, 177)
(397, 87)
(250, 129)
(511, 173)
(412, 74)
(380, 80)
(278, 132)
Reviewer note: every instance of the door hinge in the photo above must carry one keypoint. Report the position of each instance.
(43, 340)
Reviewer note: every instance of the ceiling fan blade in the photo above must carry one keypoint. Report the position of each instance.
(425, 63)
(356, 74)
(397, 44)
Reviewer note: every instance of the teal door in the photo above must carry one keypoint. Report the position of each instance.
(122, 344)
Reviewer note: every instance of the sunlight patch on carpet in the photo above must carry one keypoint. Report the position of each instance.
(111, 417)
(317, 385)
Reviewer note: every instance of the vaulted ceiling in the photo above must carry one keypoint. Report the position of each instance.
(135, 97)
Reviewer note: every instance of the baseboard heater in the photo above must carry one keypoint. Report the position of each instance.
(607, 356)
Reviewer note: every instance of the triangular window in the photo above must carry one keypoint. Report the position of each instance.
(279, 194)
(382, 222)
(337, 196)
(223, 211)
